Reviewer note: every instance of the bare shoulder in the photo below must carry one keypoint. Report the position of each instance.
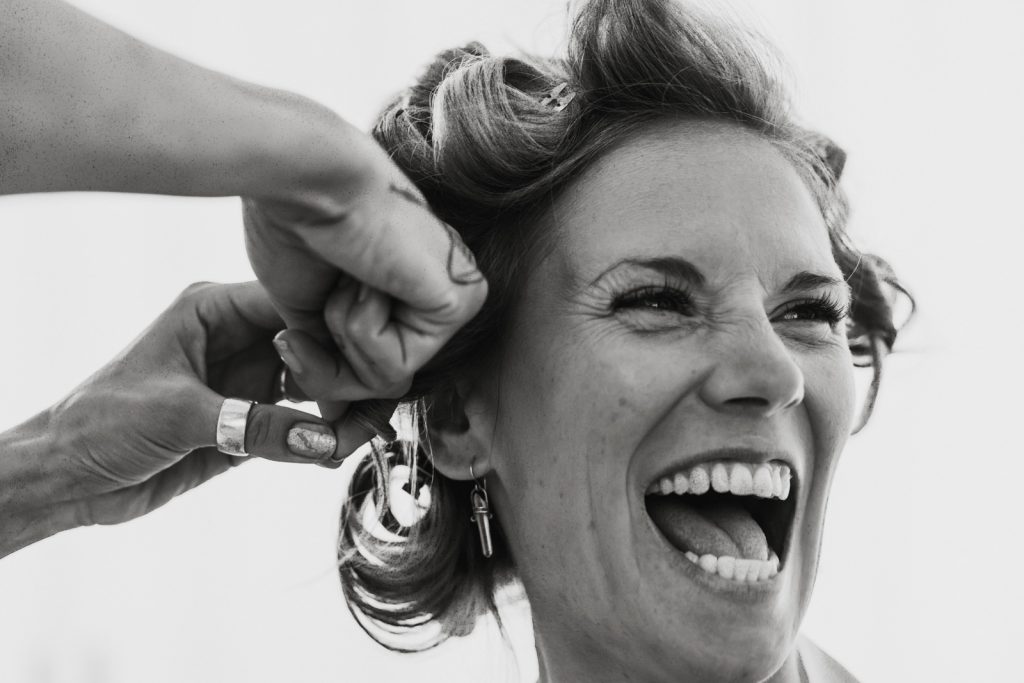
(820, 666)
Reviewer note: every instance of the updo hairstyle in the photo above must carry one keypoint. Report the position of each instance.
(490, 156)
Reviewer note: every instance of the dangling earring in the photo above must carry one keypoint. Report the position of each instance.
(481, 514)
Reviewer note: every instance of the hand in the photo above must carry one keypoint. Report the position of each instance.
(142, 429)
(360, 221)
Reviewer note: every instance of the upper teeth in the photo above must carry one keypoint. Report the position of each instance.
(765, 480)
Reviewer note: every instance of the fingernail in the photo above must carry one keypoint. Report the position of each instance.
(466, 272)
(364, 290)
(284, 350)
(311, 440)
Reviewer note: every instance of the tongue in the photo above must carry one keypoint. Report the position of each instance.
(717, 527)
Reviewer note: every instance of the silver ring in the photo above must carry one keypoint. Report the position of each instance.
(234, 413)
(282, 386)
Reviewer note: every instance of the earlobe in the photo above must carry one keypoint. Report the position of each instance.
(458, 431)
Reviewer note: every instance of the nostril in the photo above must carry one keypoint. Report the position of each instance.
(748, 402)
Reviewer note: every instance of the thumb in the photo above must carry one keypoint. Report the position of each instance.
(279, 433)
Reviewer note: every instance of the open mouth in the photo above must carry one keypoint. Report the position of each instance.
(729, 518)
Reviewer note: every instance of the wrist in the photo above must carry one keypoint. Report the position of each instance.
(34, 495)
(207, 134)
(296, 150)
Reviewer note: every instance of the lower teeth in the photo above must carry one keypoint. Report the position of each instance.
(739, 570)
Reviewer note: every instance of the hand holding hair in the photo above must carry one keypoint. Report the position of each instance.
(370, 283)
(144, 428)
(89, 108)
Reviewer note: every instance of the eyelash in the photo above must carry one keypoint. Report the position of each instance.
(822, 308)
(678, 300)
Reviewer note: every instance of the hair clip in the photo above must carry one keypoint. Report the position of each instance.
(555, 99)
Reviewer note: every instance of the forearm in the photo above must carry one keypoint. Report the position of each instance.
(87, 107)
(34, 492)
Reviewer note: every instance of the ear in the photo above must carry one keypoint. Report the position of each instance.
(460, 426)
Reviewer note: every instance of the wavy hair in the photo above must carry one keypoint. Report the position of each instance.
(490, 156)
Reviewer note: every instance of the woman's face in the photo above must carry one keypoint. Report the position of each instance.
(686, 318)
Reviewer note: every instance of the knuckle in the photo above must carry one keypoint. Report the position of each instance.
(192, 295)
(195, 289)
(335, 321)
(355, 326)
(450, 303)
(458, 304)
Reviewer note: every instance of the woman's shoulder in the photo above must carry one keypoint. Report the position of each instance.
(819, 666)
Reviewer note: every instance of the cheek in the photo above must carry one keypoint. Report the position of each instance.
(600, 396)
(831, 402)
(573, 414)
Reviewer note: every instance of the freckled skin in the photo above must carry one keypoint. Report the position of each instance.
(596, 401)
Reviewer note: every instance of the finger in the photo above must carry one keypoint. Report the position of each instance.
(361, 422)
(374, 415)
(333, 411)
(277, 433)
(350, 434)
(359, 322)
(233, 315)
(403, 250)
(290, 384)
(297, 278)
(337, 310)
(286, 388)
(386, 344)
(322, 375)
(224, 306)
(288, 435)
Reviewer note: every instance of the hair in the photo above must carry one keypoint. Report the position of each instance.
(490, 158)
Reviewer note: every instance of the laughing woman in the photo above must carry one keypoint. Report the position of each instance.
(645, 419)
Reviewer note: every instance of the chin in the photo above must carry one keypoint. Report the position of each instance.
(721, 654)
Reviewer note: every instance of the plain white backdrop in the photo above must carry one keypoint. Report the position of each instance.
(920, 575)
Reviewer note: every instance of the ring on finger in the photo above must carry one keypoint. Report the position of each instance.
(282, 386)
(231, 424)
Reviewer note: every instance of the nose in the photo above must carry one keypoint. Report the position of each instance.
(754, 373)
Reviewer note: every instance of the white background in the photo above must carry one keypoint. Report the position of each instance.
(922, 570)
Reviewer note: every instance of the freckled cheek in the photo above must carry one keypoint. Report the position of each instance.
(575, 413)
(644, 391)
(571, 444)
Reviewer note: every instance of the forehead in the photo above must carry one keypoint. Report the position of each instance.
(717, 195)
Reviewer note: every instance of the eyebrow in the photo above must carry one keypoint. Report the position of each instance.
(805, 280)
(680, 268)
(673, 266)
